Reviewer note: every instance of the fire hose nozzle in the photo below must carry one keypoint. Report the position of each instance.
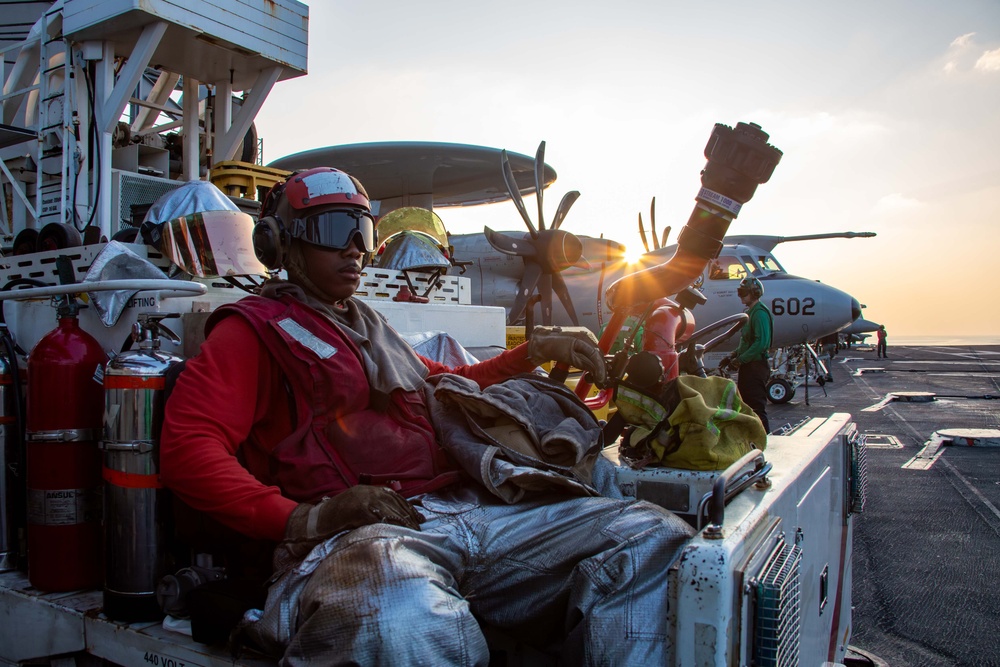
(739, 159)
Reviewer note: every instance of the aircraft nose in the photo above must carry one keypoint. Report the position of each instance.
(855, 309)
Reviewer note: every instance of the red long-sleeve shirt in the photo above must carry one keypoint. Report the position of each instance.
(232, 387)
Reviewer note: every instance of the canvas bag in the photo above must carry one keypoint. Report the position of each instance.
(691, 423)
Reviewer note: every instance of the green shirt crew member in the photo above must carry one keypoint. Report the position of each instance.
(750, 356)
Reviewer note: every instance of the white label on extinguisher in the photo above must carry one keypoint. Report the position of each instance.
(99, 374)
(63, 507)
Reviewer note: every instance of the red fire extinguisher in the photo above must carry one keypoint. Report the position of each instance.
(65, 410)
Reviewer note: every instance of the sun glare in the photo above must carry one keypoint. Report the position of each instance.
(632, 254)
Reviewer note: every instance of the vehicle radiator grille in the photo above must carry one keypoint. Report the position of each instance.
(859, 473)
(777, 608)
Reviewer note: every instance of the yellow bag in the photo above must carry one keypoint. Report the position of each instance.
(708, 427)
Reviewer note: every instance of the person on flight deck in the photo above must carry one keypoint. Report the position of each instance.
(324, 443)
(880, 351)
(750, 356)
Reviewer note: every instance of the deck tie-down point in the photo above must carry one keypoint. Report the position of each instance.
(902, 396)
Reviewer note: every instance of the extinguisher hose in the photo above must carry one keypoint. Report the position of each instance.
(9, 286)
(16, 463)
(17, 455)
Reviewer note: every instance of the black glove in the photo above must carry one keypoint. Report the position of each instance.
(358, 506)
(576, 346)
(729, 361)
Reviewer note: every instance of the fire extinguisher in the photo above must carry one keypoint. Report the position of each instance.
(134, 524)
(64, 414)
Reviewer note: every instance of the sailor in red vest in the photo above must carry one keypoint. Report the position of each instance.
(304, 421)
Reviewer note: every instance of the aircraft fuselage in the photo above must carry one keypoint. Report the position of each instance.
(803, 309)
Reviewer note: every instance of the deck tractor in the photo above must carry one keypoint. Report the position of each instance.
(107, 109)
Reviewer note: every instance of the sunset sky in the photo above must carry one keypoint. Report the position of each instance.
(888, 114)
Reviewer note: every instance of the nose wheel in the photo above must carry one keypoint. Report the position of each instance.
(779, 391)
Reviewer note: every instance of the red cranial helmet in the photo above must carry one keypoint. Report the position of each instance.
(322, 206)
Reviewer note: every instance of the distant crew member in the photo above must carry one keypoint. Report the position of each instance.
(830, 345)
(750, 356)
(880, 350)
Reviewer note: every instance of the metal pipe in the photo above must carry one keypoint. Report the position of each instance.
(168, 288)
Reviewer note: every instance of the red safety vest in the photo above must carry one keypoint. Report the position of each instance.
(340, 439)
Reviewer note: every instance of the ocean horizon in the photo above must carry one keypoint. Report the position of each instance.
(940, 340)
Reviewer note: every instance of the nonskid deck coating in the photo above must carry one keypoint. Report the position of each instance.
(927, 547)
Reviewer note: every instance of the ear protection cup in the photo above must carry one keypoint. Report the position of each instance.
(271, 242)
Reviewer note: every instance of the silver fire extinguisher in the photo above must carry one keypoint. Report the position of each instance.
(134, 505)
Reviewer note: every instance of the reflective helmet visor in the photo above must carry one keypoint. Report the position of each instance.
(337, 229)
(210, 244)
(413, 219)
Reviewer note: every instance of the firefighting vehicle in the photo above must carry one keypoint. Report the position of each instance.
(107, 107)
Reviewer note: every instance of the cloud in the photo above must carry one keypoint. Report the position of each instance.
(961, 56)
(895, 203)
(989, 61)
(963, 41)
(848, 127)
(959, 47)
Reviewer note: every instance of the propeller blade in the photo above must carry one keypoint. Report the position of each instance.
(529, 281)
(652, 223)
(559, 285)
(509, 245)
(540, 182)
(642, 235)
(545, 294)
(666, 234)
(515, 192)
(564, 205)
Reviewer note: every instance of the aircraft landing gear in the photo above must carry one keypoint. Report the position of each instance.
(779, 391)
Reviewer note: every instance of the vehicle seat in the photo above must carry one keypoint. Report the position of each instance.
(216, 606)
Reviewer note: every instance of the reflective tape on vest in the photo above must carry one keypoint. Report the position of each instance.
(322, 349)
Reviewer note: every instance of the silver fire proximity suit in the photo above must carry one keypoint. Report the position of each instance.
(590, 570)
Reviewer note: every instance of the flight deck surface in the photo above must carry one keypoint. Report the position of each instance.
(927, 546)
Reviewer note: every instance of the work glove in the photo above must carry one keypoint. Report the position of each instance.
(576, 346)
(732, 361)
(358, 506)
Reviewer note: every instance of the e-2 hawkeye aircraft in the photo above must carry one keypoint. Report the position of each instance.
(858, 330)
(804, 309)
